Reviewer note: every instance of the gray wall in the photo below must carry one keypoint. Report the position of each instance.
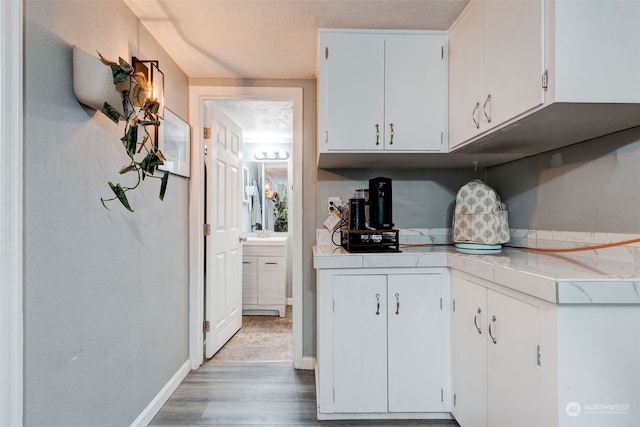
(590, 186)
(422, 198)
(106, 317)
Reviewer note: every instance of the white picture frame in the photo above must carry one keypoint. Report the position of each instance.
(174, 141)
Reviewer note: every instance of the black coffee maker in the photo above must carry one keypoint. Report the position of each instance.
(380, 204)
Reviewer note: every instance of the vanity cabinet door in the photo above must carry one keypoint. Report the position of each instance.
(359, 343)
(249, 280)
(271, 280)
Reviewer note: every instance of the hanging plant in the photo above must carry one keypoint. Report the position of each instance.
(280, 211)
(140, 114)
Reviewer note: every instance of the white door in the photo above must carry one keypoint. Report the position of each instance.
(223, 277)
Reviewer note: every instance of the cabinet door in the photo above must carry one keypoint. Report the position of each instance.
(513, 41)
(513, 356)
(465, 75)
(271, 280)
(416, 347)
(415, 93)
(249, 280)
(469, 346)
(359, 343)
(353, 82)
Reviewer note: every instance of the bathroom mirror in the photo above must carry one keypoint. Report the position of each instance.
(266, 194)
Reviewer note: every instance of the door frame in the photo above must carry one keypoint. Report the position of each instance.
(197, 96)
(11, 219)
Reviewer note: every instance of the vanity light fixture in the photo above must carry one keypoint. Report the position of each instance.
(271, 155)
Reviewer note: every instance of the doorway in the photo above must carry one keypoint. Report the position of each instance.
(198, 96)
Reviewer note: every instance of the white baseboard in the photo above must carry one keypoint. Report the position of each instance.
(163, 395)
(308, 363)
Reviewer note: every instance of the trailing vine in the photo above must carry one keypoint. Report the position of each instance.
(139, 113)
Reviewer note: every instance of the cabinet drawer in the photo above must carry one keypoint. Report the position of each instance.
(264, 250)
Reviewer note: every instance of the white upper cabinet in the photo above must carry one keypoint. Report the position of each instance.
(545, 73)
(382, 91)
(593, 51)
(465, 70)
(495, 64)
(352, 92)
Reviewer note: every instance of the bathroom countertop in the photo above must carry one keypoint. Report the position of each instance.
(266, 241)
(568, 278)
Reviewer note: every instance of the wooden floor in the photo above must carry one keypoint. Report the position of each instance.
(251, 394)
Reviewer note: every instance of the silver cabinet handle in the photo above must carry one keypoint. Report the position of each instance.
(391, 133)
(246, 262)
(474, 113)
(271, 263)
(377, 134)
(326, 137)
(493, 321)
(397, 303)
(242, 238)
(377, 304)
(475, 320)
(484, 108)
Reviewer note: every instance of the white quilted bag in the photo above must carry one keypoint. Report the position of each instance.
(480, 216)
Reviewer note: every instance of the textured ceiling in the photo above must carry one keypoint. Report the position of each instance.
(261, 121)
(273, 39)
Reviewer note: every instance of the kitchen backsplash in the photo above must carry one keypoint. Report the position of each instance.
(527, 238)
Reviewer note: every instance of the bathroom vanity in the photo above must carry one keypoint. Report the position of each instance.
(264, 275)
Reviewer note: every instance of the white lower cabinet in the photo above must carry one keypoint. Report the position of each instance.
(383, 344)
(496, 365)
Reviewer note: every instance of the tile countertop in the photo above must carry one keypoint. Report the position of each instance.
(562, 278)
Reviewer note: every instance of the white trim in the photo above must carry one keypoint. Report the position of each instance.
(309, 363)
(163, 395)
(197, 95)
(11, 222)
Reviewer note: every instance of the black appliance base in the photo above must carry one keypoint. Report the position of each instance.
(370, 240)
